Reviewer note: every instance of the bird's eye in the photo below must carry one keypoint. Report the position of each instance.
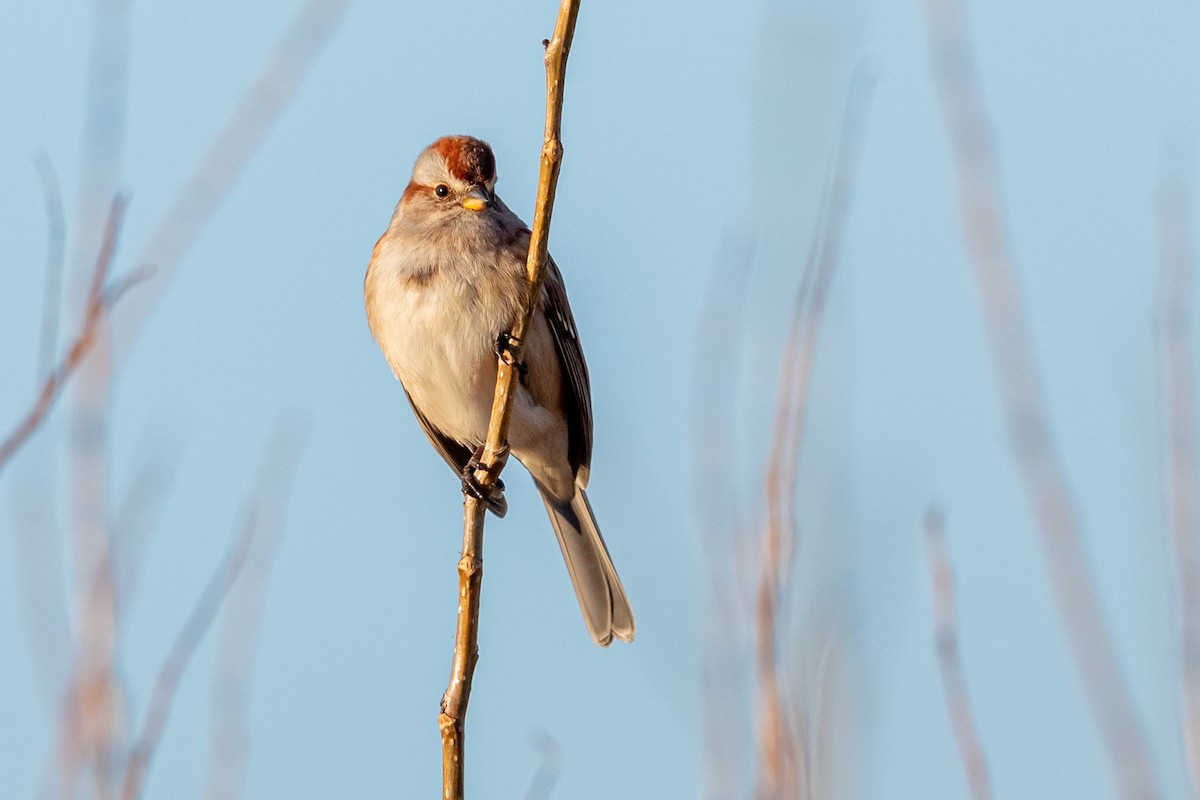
(442, 190)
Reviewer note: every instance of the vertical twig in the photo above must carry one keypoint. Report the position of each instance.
(724, 664)
(228, 153)
(1015, 368)
(56, 242)
(87, 714)
(91, 713)
(274, 478)
(166, 683)
(783, 752)
(101, 298)
(954, 682)
(470, 567)
(34, 525)
(547, 771)
(39, 567)
(1177, 266)
(238, 629)
(87, 430)
(136, 516)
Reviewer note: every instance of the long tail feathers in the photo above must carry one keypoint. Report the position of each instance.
(601, 597)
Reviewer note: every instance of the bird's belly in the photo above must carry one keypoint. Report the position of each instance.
(443, 355)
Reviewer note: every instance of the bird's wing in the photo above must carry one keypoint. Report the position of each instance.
(577, 393)
(456, 455)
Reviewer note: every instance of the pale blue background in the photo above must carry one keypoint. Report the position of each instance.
(685, 126)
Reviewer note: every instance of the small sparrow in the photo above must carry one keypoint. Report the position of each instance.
(444, 287)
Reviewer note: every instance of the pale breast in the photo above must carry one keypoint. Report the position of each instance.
(436, 321)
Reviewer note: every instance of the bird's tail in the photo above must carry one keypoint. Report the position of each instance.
(601, 598)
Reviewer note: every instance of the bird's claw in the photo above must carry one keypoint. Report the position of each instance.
(508, 349)
(472, 487)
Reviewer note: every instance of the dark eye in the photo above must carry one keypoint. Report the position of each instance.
(442, 190)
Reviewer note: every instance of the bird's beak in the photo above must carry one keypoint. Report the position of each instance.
(476, 200)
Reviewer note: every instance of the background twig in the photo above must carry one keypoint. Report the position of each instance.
(100, 299)
(238, 627)
(547, 771)
(97, 692)
(56, 244)
(1015, 368)
(954, 682)
(1177, 266)
(230, 150)
(783, 770)
(725, 666)
(270, 491)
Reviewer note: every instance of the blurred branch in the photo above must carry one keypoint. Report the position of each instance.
(188, 639)
(453, 714)
(238, 628)
(193, 208)
(1177, 267)
(136, 517)
(92, 706)
(56, 244)
(783, 753)
(103, 135)
(547, 772)
(181, 225)
(92, 709)
(34, 527)
(39, 571)
(275, 474)
(101, 299)
(103, 146)
(954, 683)
(714, 462)
(714, 397)
(1015, 368)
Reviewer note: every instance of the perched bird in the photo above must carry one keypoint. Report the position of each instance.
(445, 284)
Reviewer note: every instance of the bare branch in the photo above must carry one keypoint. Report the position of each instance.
(56, 245)
(136, 517)
(227, 155)
(275, 475)
(238, 628)
(1177, 269)
(783, 752)
(547, 772)
(94, 693)
(724, 671)
(34, 525)
(714, 396)
(1015, 367)
(103, 143)
(453, 714)
(39, 570)
(177, 230)
(954, 682)
(188, 639)
(93, 704)
(100, 301)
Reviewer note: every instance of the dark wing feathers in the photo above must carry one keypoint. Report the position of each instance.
(577, 393)
(456, 455)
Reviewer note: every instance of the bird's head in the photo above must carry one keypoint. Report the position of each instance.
(454, 179)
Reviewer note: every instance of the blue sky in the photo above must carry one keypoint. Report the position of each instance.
(686, 128)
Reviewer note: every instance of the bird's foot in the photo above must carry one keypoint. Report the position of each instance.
(472, 487)
(508, 350)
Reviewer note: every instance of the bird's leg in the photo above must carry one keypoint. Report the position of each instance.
(473, 488)
(508, 349)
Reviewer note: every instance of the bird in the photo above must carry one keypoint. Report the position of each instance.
(444, 286)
